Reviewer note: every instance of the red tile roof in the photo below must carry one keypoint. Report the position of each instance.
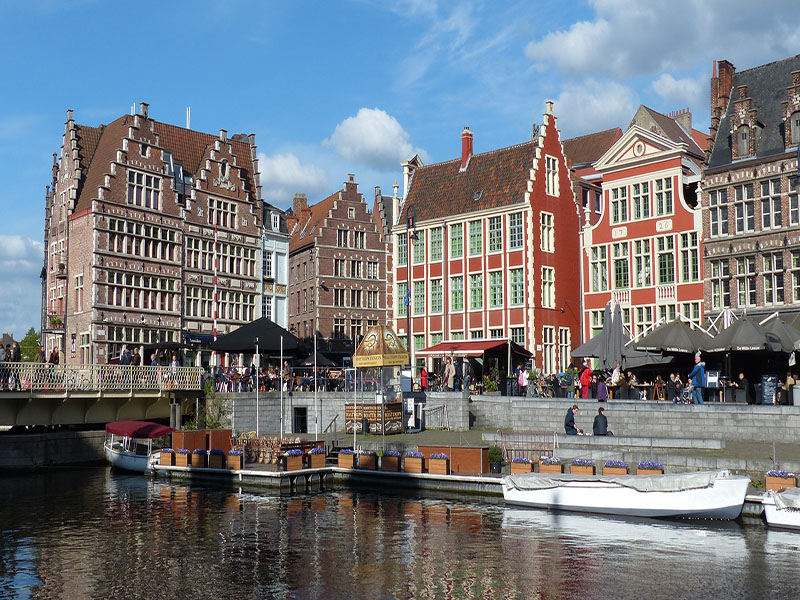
(309, 222)
(586, 149)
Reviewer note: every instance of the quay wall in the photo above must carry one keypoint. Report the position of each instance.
(29, 452)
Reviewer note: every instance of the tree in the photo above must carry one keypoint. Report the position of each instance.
(29, 346)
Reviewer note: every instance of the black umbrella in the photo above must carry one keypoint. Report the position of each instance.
(675, 336)
(590, 349)
(614, 339)
(269, 337)
(742, 336)
(322, 361)
(781, 336)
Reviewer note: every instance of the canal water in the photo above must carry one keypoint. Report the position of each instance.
(96, 534)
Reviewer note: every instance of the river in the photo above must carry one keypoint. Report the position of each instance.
(96, 534)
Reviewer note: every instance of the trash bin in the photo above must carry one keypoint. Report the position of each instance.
(364, 425)
(796, 395)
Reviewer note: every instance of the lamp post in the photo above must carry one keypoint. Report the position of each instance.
(316, 317)
(411, 224)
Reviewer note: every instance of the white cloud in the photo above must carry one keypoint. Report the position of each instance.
(681, 92)
(283, 175)
(594, 105)
(374, 138)
(20, 294)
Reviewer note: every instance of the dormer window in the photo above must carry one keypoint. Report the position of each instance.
(743, 141)
(276, 222)
(351, 213)
(795, 125)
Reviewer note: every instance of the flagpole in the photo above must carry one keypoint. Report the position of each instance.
(257, 365)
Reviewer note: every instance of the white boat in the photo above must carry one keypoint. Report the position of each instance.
(129, 445)
(782, 509)
(702, 495)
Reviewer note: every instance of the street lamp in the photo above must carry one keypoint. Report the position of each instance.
(411, 224)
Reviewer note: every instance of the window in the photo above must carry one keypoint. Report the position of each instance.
(402, 250)
(743, 142)
(773, 278)
(664, 196)
(476, 334)
(620, 258)
(598, 202)
(599, 268)
(338, 267)
(547, 232)
(144, 190)
(221, 213)
(355, 269)
(549, 350)
(372, 270)
(619, 205)
(548, 287)
(690, 257)
(515, 231)
(457, 335)
(419, 342)
(564, 346)
(551, 175)
(718, 213)
(644, 318)
(276, 222)
(436, 244)
(795, 128)
(641, 263)
(665, 252)
(372, 299)
(339, 296)
(771, 204)
(78, 293)
(495, 333)
(476, 291)
(436, 338)
(268, 265)
(351, 213)
(475, 238)
(355, 298)
(457, 293)
(456, 240)
(667, 312)
(495, 289)
(419, 248)
(796, 276)
(267, 306)
(641, 201)
(691, 310)
(746, 280)
(518, 336)
(597, 318)
(745, 208)
(794, 208)
(402, 299)
(495, 234)
(517, 287)
(360, 239)
(338, 328)
(341, 238)
(419, 297)
(436, 295)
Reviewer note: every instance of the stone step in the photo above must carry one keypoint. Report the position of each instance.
(590, 441)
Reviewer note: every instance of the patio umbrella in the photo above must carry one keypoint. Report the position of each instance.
(781, 336)
(590, 349)
(272, 339)
(322, 361)
(614, 340)
(675, 336)
(742, 336)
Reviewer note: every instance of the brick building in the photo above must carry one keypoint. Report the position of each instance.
(136, 214)
(644, 250)
(751, 211)
(496, 249)
(337, 270)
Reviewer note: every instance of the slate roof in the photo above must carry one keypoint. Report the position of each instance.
(766, 86)
(309, 223)
(586, 149)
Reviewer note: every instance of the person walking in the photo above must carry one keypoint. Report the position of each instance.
(586, 380)
(449, 374)
(698, 378)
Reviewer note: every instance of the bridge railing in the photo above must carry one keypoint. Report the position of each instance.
(46, 377)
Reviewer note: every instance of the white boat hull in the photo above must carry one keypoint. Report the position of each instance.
(129, 461)
(785, 519)
(723, 500)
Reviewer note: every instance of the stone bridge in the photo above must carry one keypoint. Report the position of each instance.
(44, 394)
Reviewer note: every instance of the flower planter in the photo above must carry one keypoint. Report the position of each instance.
(776, 484)
(294, 463)
(235, 461)
(347, 461)
(582, 470)
(413, 465)
(316, 461)
(551, 468)
(649, 471)
(199, 460)
(390, 463)
(167, 459)
(615, 471)
(518, 468)
(216, 461)
(439, 466)
(368, 462)
(183, 460)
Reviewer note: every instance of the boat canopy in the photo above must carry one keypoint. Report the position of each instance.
(138, 429)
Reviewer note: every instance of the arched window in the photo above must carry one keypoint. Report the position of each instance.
(795, 125)
(743, 141)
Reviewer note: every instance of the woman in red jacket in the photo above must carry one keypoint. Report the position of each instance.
(586, 380)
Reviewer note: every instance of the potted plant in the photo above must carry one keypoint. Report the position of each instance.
(550, 464)
(521, 464)
(390, 461)
(414, 462)
(582, 466)
(216, 459)
(778, 480)
(347, 458)
(235, 459)
(293, 460)
(615, 467)
(316, 457)
(649, 467)
(199, 456)
(439, 463)
(183, 458)
(367, 459)
(55, 322)
(167, 457)
(495, 459)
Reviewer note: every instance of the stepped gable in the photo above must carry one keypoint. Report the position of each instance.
(766, 86)
(309, 222)
(109, 141)
(492, 179)
(587, 149)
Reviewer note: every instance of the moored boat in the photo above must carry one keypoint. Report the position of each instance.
(702, 495)
(130, 445)
(782, 509)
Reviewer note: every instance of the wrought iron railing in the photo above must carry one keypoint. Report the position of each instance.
(46, 377)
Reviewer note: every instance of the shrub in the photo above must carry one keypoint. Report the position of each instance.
(495, 454)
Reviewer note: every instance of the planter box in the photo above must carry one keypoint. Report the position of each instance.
(199, 460)
(615, 471)
(293, 463)
(167, 458)
(183, 460)
(439, 466)
(316, 461)
(368, 462)
(216, 461)
(347, 461)
(649, 471)
(413, 465)
(390, 463)
(235, 461)
(517, 468)
(582, 470)
(776, 484)
(551, 468)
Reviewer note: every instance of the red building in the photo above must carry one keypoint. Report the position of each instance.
(496, 253)
(644, 251)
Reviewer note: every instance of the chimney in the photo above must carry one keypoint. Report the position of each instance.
(143, 106)
(299, 204)
(223, 135)
(684, 119)
(466, 147)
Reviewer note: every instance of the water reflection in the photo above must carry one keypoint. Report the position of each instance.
(94, 534)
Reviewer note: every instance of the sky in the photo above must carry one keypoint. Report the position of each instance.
(332, 88)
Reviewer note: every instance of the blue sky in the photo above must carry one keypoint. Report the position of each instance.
(331, 88)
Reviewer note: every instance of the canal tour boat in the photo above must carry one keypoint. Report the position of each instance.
(701, 495)
(129, 445)
(782, 509)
